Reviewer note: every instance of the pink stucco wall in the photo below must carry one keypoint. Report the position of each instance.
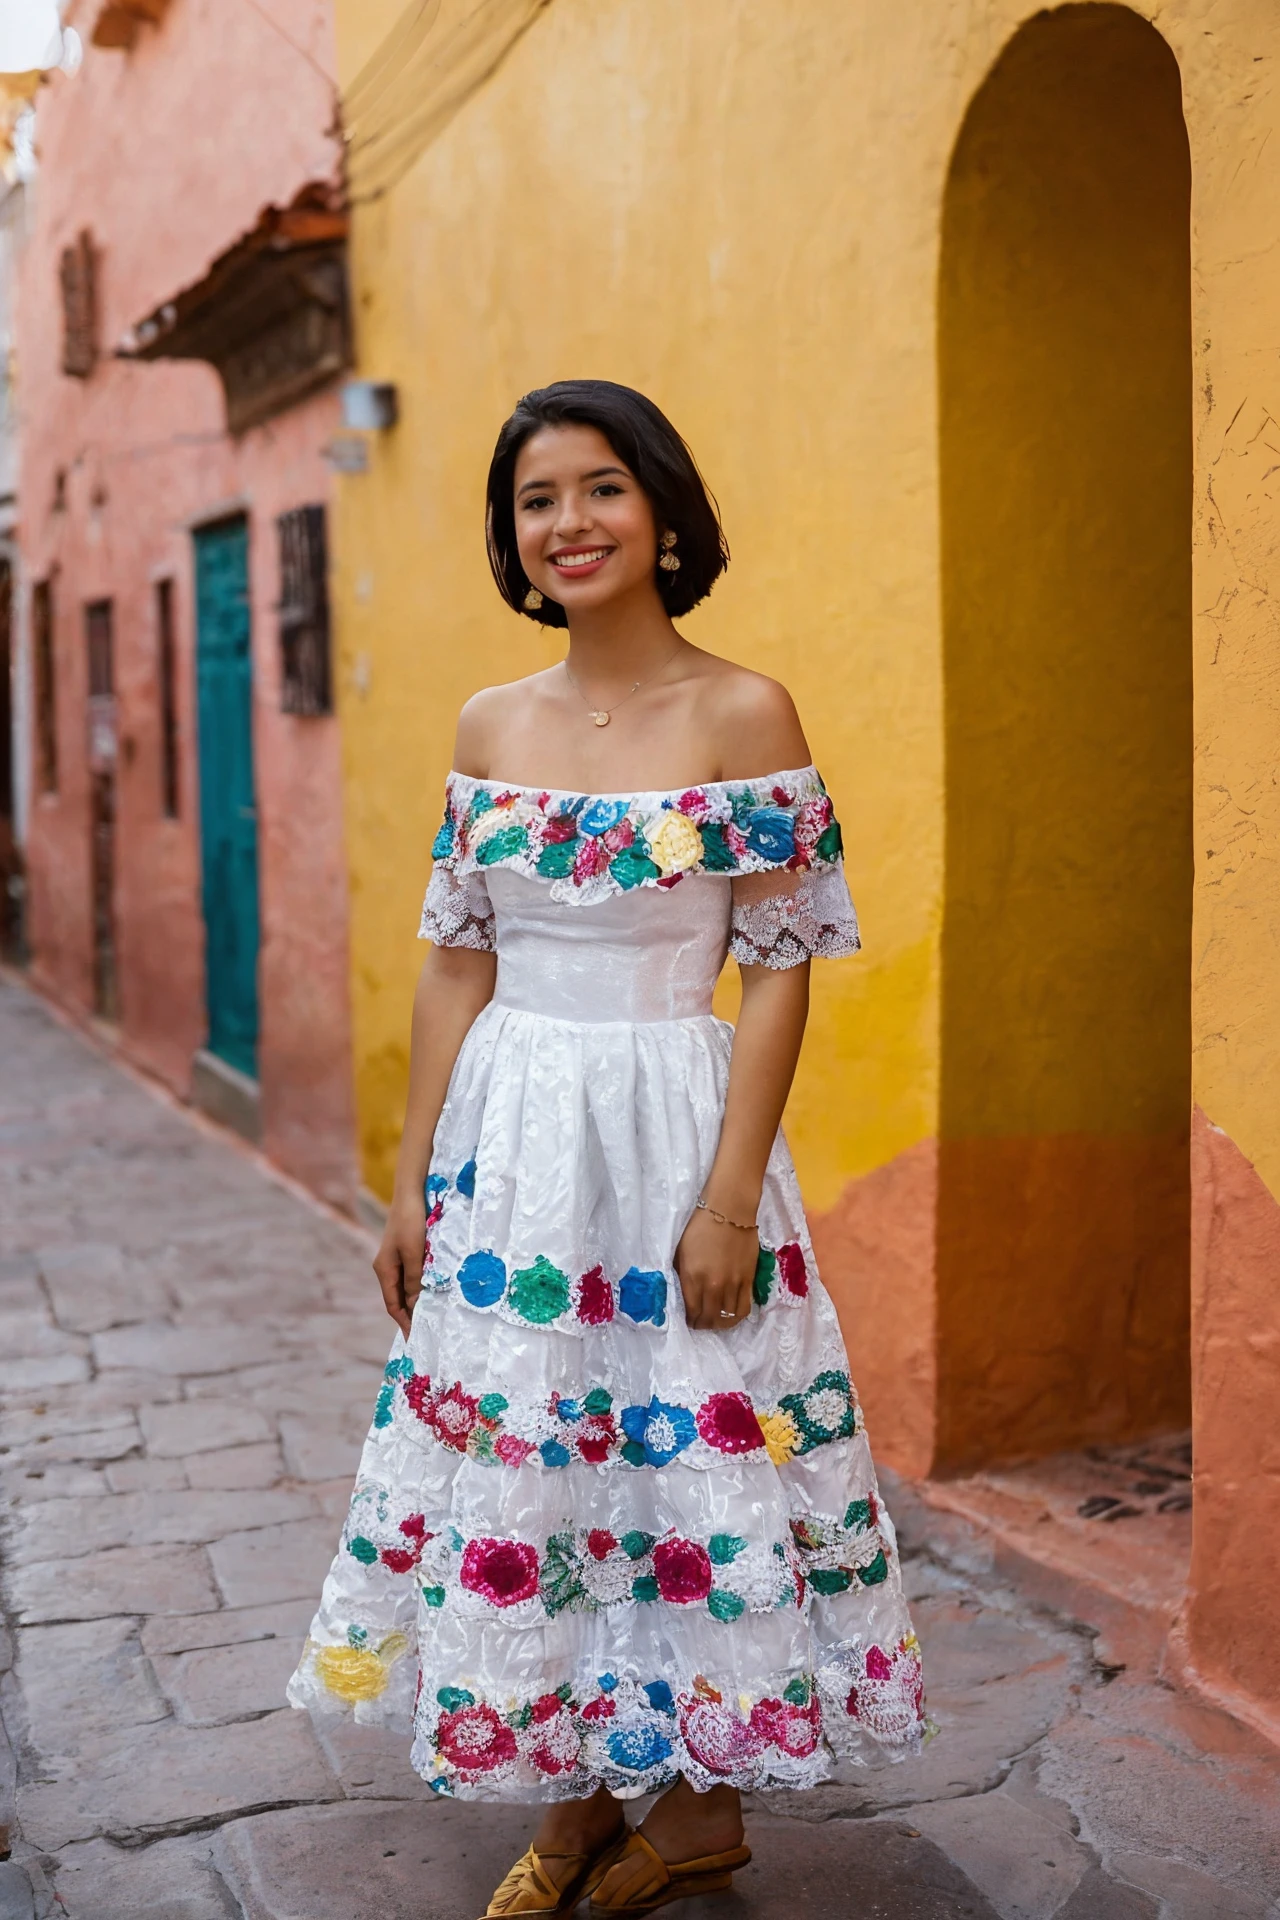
(167, 154)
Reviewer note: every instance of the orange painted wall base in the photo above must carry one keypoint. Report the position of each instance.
(1232, 1622)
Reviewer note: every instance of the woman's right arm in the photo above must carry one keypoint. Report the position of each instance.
(455, 985)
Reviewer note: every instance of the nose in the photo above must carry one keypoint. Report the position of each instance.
(573, 518)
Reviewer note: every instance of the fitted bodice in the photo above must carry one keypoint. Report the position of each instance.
(650, 954)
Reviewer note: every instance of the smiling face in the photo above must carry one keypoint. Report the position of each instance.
(584, 526)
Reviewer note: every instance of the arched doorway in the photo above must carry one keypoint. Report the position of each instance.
(1065, 418)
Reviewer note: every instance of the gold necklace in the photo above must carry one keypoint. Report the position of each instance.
(602, 715)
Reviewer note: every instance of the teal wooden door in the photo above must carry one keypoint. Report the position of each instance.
(228, 814)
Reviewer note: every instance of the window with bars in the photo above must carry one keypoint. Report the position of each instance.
(45, 686)
(78, 272)
(306, 675)
(98, 632)
(167, 677)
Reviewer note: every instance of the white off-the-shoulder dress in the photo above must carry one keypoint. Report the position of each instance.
(587, 1545)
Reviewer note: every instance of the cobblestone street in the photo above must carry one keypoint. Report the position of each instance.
(190, 1353)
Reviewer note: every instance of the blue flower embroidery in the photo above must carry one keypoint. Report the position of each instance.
(643, 1296)
(600, 815)
(638, 1748)
(442, 845)
(771, 833)
(660, 1696)
(436, 1183)
(466, 1181)
(662, 1430)
(554, 1454)
(482, 1277)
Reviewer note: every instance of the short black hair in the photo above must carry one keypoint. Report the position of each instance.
(642, 436)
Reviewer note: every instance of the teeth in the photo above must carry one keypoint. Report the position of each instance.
(580, 559)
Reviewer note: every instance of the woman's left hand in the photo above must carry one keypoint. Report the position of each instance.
(716, 1265)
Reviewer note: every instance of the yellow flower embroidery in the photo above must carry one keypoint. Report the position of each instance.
(675, 844)
(356, 1673)
(781, 1436)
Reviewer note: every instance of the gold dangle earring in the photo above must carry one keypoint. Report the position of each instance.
(533, 600)
(668, 559)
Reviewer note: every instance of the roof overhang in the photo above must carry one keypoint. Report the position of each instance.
(271, 313)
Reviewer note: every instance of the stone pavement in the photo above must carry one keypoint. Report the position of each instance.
(189, 1352)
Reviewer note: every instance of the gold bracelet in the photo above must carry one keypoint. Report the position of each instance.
(723, 1220)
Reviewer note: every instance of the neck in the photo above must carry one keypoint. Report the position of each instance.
(622, 642)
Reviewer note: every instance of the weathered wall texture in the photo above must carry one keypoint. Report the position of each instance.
(167, 154)
(964, 456)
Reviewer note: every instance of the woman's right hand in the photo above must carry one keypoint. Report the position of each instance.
(399, 1259)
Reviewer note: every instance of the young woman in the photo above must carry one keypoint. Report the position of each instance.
(616, 1530)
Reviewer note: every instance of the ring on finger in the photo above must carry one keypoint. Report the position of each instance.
(727, 1313)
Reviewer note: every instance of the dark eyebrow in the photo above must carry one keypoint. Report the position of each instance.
(597, 473)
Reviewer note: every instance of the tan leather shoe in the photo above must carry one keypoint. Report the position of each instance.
(639, 1880)
(550, 1885)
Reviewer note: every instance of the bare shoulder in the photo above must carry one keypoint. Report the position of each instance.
(485, 716)
(754, 722)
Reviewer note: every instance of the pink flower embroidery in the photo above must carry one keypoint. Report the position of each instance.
(792, 1268)
(475, 1740)
(561, 1744)
(512, 1451)
(417, 1392)
(682, 1569)
(812, 820)
(727, 1421)
(716, 1737)
(735, 839)
(453, 1417)
(695, 804)
(405, 1559)
(619, 837)
(595, 1436)
(592, 858)
(600, 1543)
(878, 1664)
(601, 1708)
(595, 1298)
(545, 1708)
(558, 827)
(794, 1729)
(503, 1572)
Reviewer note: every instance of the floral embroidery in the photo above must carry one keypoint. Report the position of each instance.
(356, 1673)
(578, 1570)
(838, 1552)
(785, 1265)
(881, 1688)
(503, 1572)
(542, 1294)
(375, 1537)
(497, 1429)
(727, 1421)
(634, 1737)
(591, 847)
(824, 1411)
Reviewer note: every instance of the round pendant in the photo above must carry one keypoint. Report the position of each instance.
(601, 719)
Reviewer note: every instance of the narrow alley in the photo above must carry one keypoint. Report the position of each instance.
(190, 1352)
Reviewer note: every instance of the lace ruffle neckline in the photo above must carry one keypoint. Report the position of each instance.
(591, 846)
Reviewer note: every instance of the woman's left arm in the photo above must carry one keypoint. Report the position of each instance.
(756, 727)
(717, 1263)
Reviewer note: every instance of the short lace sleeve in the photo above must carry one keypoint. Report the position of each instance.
(456, 911)
(782, 919)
